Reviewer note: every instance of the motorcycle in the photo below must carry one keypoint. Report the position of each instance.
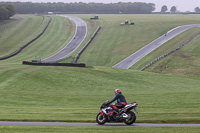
(124, 115)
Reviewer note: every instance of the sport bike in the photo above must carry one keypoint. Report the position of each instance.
(107, 114)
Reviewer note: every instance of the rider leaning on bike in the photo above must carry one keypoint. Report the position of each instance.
(121, 102)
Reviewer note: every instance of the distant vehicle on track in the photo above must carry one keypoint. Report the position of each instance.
(95, 17)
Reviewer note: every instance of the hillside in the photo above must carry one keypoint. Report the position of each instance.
(30, 93)
(114, 42)
(36, 93)
(182, 62)
(16, 33)
(57, 35)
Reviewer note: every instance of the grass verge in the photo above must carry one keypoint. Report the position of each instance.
(99, 129)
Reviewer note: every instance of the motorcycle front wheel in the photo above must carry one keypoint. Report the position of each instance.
(101, 119)
(131, 118)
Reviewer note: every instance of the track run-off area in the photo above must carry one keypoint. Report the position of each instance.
(5, 123)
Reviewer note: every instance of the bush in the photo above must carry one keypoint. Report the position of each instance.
(6, 11)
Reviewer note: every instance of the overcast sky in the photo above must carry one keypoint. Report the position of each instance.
(182, 5)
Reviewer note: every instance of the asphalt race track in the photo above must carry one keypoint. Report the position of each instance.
(4, 123)
(135, 57)
(81, 32)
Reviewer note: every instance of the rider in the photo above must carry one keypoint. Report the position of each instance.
(121, 101)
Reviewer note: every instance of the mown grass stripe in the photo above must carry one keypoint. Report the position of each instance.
(21, 48)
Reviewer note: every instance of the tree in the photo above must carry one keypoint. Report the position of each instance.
(197, 10)
(11, 9)
(164, 9)
(6, 11)
(173, 9)
(3, 13)
(88, 8)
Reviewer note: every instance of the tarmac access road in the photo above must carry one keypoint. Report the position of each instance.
(135, 57)
(81, 32)
(5, 123)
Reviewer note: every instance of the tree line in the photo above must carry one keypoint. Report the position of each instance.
(174, 9)
(197, 10)
(84, 8)
(6, 11)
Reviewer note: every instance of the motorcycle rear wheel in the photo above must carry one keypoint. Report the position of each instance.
(101, 119)
(131, 118)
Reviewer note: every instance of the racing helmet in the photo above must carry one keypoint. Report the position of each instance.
(117, 91)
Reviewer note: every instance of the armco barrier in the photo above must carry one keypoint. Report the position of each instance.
(20, 49)
(86, 45)
(53, 64)
(163, 56)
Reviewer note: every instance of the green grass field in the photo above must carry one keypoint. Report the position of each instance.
(31, 93)
(17, 33)
(57, 35)
(63, 94)
(183, 62)
(118, 42)
(100, 129)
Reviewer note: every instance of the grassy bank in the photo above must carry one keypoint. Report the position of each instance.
(57, 35)
(31, 93)
(118, 42)
(17, 33)
(183, 62)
